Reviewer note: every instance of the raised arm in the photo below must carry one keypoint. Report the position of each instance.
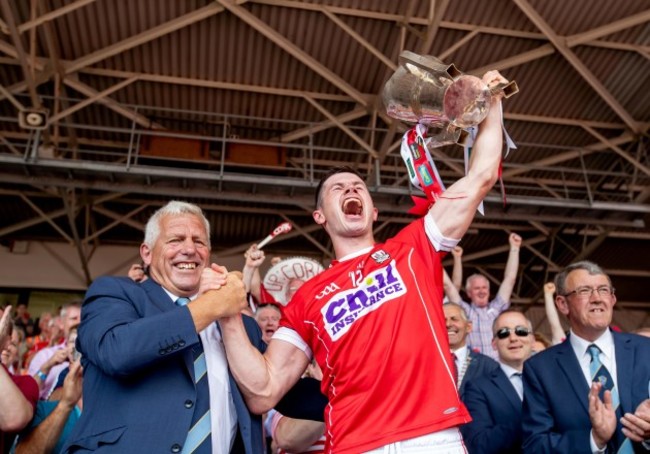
(251, 272)
(454, 211)
(512, 266)
(262, 379)
(557, 333)
(450, 289)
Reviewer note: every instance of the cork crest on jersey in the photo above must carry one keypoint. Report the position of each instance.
(372, 291)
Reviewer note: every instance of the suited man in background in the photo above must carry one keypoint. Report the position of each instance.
(469, 364)
(494, 400)
(565, 409)
(155, 372)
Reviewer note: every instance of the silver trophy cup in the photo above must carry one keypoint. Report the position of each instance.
(427, 91)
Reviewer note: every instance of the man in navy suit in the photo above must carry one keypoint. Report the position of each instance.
(494, 401)
(564, 412)
(470, 365)
(155, 372)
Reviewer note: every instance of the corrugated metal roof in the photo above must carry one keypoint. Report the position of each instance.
(252, 76)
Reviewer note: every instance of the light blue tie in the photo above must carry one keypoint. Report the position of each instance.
(199, 437)
(600, 373)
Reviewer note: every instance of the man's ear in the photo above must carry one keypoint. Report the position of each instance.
(562, 304)
(145, 254)
(318, 216)
(470, 326)
(375, 213)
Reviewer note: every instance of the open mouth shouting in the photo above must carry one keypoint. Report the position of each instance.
(352, 207)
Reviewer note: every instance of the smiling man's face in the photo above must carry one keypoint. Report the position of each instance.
(179, 254)
(589, 316)
(458, 327)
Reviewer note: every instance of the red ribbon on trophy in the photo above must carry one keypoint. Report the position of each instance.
(421, 169)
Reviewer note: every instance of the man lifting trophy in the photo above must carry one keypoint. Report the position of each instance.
(373, 321)
(446, 106)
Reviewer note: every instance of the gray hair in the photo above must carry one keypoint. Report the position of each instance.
(173, 208)
(66, 307)
(589, 267)
(473, 277)
(463, 312)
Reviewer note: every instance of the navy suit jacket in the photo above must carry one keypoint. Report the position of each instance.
(496, 415)
(479, 365)
(136, 346)
(556, 407)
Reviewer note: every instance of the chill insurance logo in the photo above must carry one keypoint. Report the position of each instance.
(377, 288)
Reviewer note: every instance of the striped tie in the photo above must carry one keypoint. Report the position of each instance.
(198, 438)
(600, 374)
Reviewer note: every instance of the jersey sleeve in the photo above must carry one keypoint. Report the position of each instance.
(291, 336)
(438, 241)
(293, 326)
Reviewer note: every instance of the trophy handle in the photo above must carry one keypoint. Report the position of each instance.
(508, 89)
(429, 63)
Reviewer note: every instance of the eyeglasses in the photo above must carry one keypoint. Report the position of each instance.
(585, 292)
(520, 331)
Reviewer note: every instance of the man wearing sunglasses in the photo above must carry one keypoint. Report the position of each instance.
(588, 394)
(494, 400)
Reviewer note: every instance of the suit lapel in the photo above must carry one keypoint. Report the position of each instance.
(566, 359)
(624, 353)
(157, 295)
(502, 382)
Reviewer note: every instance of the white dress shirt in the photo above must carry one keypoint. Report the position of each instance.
(606, 345)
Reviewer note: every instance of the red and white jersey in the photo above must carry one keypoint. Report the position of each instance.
(375, 325)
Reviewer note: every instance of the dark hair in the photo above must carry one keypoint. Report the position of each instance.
(589, 267)
(330, 173)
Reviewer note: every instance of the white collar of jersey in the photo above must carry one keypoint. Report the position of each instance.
(356, 254)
